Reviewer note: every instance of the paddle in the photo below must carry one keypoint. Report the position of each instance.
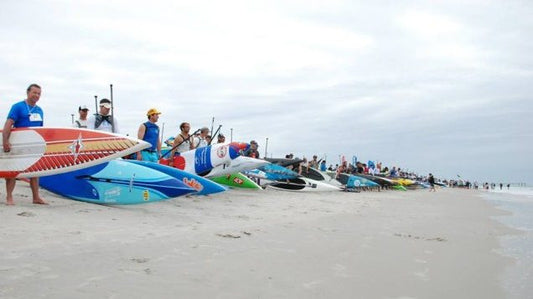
(214, 135)
(112, 112)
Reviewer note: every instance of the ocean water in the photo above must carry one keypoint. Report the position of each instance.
(518, 278)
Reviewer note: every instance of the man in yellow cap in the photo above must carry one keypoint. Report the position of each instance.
(149, 132)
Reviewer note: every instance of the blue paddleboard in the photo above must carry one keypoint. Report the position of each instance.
(272, 172)
(358, 182)
(115, 182)
(201, 185)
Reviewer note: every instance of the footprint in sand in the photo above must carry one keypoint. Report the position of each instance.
(140, 260)
(26, 214)
(228, 236)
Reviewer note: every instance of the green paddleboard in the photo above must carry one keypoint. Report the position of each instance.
(399, 187)
(237, 180)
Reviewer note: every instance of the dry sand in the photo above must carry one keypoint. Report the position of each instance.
(254, 244)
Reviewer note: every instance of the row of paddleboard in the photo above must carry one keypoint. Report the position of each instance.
(85, 165)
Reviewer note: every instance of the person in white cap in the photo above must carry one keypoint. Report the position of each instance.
(104, 120)
(81, 122)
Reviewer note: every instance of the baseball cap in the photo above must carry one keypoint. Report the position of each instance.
(152, 111)
(83, 107)
(105, 103)
(220, 135)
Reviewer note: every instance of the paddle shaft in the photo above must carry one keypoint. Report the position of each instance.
(214, 135)
(112, 111)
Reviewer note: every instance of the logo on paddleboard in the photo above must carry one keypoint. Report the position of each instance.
(76, 147)
(193, 184)
(146, 195)
(222, 152)
(238, 181)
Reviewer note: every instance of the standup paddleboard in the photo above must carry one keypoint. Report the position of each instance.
(202, 185)
(203, 159)
(302, 184)
(236, 165)
(116, 182)
(39, 151)
(272, 172)
(237, 180)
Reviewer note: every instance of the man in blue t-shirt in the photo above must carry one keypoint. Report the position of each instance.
(149, 132)
(25, 113)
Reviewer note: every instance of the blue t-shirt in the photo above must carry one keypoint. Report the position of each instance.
(25, 115)
(151, 134)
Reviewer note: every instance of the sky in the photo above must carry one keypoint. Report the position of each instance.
(429, 86)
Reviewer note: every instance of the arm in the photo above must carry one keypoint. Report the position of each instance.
(90, 122)
(115, 124)
(6, 133)
(140, 135)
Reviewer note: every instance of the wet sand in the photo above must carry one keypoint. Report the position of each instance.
(255, 244)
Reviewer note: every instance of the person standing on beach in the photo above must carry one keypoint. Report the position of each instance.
(252, 150)
(149, 132)
(314, 163)
(182, 142)
(323, 165)
(431, 181)
(81, 122)
(25, 113)
(221, 138)
(201, 140)
(104, 120)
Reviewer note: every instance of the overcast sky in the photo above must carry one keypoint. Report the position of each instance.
(430, 86)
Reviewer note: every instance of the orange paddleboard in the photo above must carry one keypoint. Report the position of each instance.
(40, 151)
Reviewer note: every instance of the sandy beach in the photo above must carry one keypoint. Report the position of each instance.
(255, 244)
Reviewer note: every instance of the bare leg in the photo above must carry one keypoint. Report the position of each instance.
(34, 185)
(10, 186)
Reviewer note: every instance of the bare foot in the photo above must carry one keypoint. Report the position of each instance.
(9, 201)
(39, 201)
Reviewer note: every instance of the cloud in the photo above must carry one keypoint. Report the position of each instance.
(437, 88)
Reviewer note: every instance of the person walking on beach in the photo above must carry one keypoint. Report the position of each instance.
(182, 142)
(104, 120)
(149, 132)
(81, 122)
(25, 113)
(431, 181)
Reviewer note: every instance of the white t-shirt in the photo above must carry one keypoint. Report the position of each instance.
(200, 142)
(78, 123)
(104, 126)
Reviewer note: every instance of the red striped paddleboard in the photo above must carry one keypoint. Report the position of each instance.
(39, 151)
